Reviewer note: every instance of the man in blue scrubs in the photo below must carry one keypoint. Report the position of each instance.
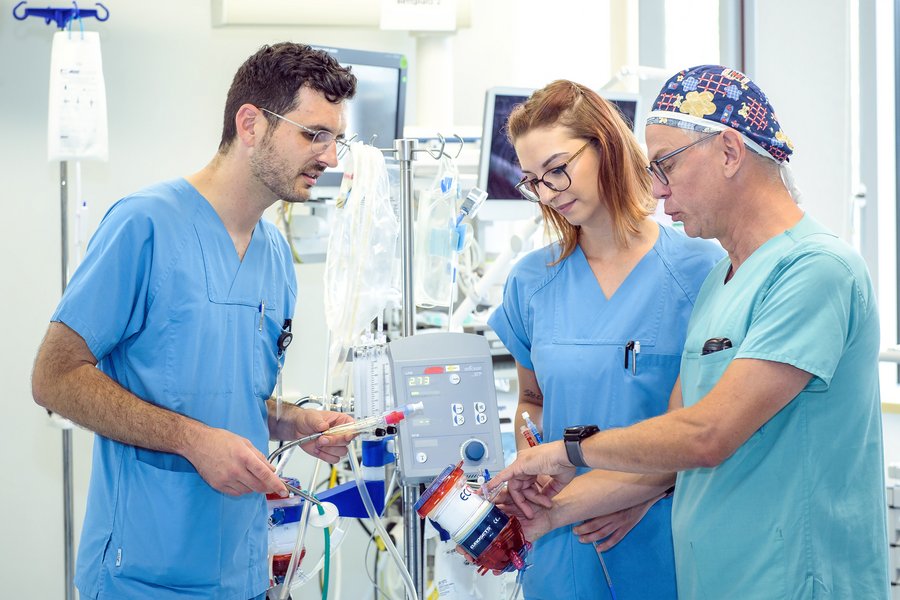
(775, 428)
(182, 301)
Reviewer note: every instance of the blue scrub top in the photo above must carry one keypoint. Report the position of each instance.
(557, 322)
(173, 315)
(798, 510)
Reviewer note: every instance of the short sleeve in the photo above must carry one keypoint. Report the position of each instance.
(509, 322)
(106, 300)
(805, 316)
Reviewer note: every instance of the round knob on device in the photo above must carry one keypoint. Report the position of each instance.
(474, 450)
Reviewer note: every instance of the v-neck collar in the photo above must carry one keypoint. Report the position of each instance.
(229, 279)
(579, 255)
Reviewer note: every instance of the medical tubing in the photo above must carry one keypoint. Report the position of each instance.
(301, 536)
(327, 557)
(385, 537)
(609, 583)
(337, 538)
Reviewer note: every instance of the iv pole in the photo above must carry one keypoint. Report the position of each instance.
(68, 527)
(404, 151)
(63, 17)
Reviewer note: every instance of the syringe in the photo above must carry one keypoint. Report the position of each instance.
(367, 424)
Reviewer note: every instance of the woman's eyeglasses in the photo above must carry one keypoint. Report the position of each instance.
(556, 179)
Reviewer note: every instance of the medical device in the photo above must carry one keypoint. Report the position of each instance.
(370, 424)
(452, 375)
(378, 110)
(493, 540)
(384, 422)
(532, 428)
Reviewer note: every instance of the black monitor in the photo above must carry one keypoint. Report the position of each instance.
(499, 171)
(379, 106)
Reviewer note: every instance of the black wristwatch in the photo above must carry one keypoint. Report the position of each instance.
(573, 437)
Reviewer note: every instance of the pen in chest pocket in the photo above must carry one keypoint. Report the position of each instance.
(633, 348)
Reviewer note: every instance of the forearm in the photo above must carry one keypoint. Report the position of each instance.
(679, 440)
(88, 397)
(603, 492)
(283, 428)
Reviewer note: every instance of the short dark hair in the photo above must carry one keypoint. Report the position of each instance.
(272, 77)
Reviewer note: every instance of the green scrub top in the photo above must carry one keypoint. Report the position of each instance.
(798, 510)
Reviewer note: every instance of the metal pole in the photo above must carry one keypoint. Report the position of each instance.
(404, 150)
(68, 528)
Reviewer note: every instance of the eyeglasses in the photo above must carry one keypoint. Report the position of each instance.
(556, 179)
(320, 140)
(656, 168)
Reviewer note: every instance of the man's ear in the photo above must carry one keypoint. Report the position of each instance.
(250, 125)
(734, 151)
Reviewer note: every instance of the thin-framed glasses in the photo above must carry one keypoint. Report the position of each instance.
(556, 179)
(320, 140)
(656, 168)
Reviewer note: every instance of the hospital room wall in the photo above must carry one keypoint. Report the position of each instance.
(167, 72)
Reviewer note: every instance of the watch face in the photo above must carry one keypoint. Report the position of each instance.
(580, 432)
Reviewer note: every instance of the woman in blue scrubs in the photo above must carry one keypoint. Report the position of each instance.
(596, 323)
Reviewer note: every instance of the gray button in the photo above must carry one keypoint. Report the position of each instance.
(458, 420)
(457, 408)
(454, 378)
(421, 457)
(480, 407)
(481, 418)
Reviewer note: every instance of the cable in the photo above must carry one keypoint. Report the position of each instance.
(286, 213)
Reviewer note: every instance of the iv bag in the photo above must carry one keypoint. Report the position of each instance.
(437, 238)
(361, 259)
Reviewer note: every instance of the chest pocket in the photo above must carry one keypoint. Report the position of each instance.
(701, 373)
(592, 337)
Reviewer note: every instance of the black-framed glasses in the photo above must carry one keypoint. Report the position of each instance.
(320, 140)
(656, 166)
(556, 179)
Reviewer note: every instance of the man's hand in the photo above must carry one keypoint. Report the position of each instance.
(231, 464)
(614, 527)
(522, 476)
(306, 422)
(533, 527)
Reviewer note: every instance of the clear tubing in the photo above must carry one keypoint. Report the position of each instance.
(337, 538)
(376, 520)
(304, 515)
(390, 490)
(301, 536)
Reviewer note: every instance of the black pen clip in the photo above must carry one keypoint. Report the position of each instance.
(629, 348)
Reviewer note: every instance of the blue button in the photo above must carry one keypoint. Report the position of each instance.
(474, 450)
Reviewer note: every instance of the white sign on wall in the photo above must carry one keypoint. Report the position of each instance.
(418, 15)
(76, 118)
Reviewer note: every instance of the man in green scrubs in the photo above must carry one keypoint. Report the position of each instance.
(775, 430)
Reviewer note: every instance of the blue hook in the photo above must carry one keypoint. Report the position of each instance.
(62, 16)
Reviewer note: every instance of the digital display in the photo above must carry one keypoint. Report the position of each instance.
(419, 380)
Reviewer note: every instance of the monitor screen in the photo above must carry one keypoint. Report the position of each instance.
(378, 108)
(499, 170)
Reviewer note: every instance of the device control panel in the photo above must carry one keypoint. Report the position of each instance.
(452, 375)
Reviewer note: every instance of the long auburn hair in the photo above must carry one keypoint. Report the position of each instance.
(622, 180)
